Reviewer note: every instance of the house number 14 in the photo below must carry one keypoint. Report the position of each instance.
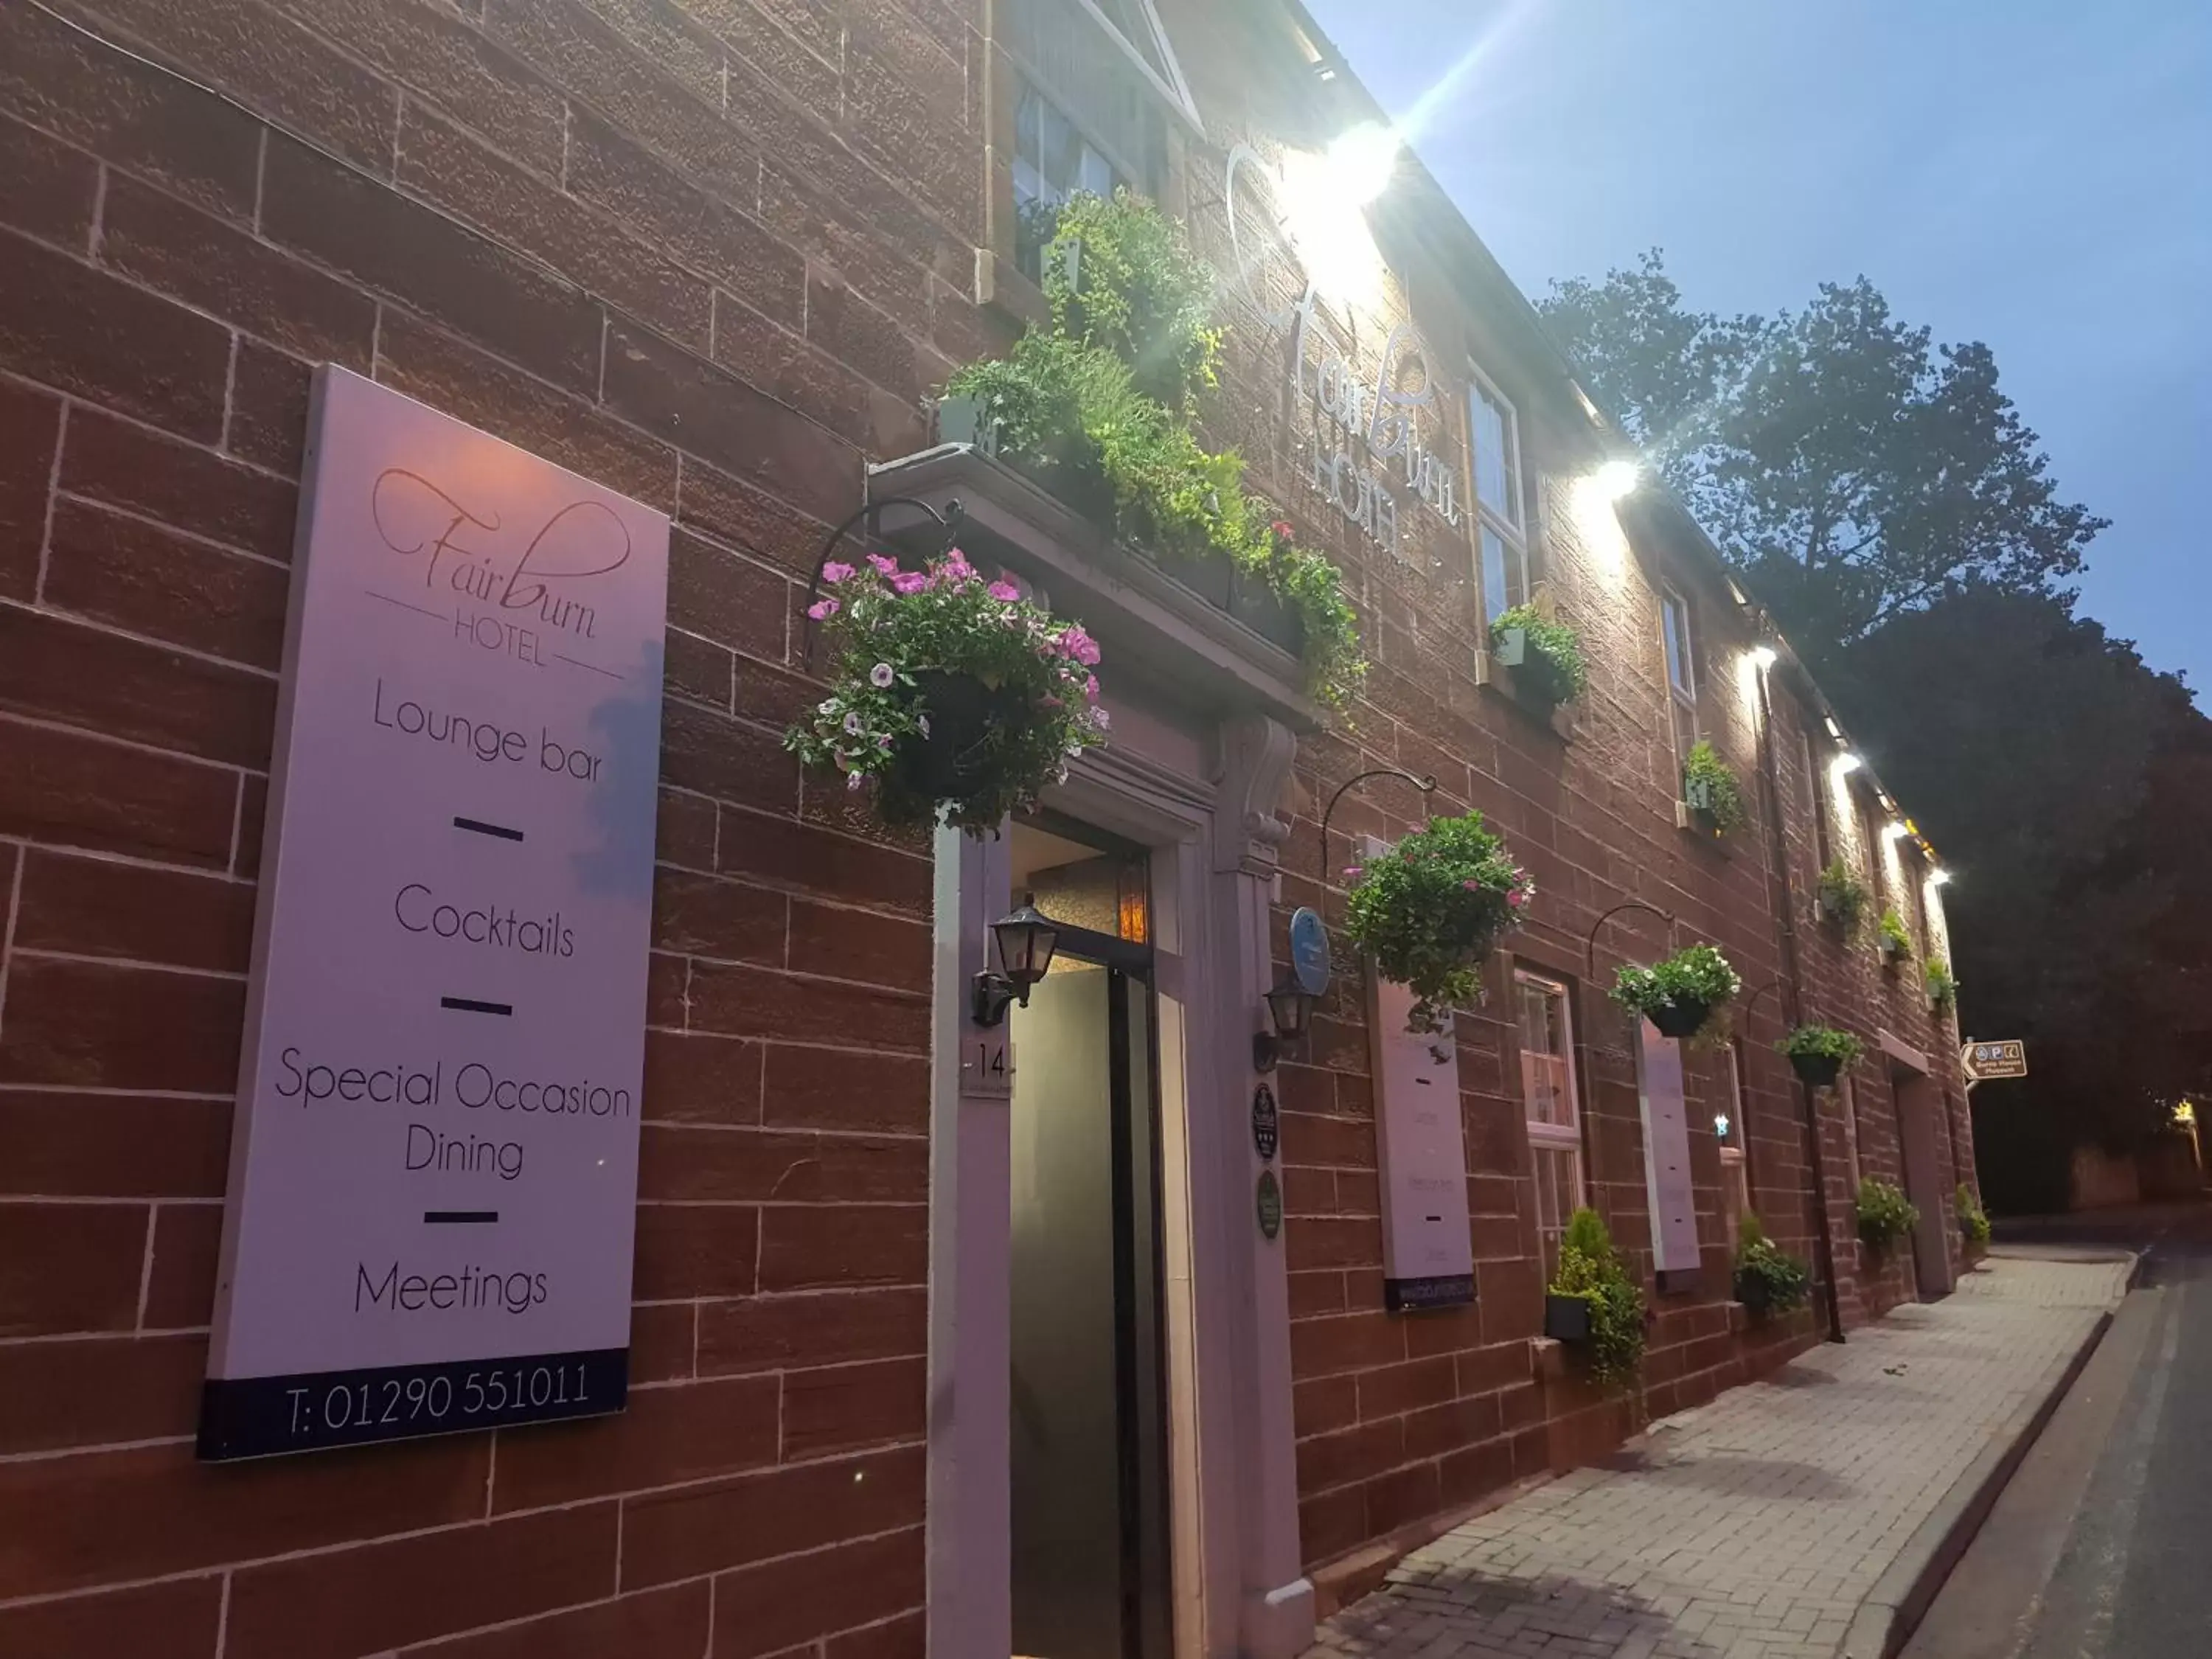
(987, 1072)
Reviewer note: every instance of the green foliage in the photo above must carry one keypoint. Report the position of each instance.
(1974, 1220)
(1823, 1042)
(1844, 898)
(1137, 292)
(1698, 974)
(1553, 669)
(1431, 907)
(1896, 937)
(1761, 1264)
(1069, 408)
(1852, 467)
(1942, 987)
(915, 646)
(1885, 1214)
(1715, 781)
(1589, 1269)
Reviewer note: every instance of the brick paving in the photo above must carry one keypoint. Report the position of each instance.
(1750, 1527)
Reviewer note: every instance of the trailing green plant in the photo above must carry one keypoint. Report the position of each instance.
(1768, 1277)
(1134, 289)
(1591, 1271)
(1553, 667)
(1680, 994)
(1886, 1215)
(1709, 785)
(949, 692)
(1974, 1220)
(1844, 898)
(1822, 1043)
(1896, 937)
(1078, 409)
(1430, 908)
(1942, 986)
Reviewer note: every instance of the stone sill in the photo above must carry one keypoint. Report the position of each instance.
(1547, 1359)
(1489, 672)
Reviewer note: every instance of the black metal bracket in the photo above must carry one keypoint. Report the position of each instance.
(1590, 943)
(1744, 1008)
(949, 521)
(1425, 783)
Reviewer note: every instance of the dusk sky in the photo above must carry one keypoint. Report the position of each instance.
(2029, 172)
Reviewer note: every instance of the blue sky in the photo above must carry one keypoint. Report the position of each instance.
(2030, 173)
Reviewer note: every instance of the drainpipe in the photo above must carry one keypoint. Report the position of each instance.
(1783, 898)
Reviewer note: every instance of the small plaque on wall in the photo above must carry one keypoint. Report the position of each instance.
(1428, 1249)
(434, 1173)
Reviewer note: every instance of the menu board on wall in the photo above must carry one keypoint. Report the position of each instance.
(1428, 1252)
(434, 1173)
(1666, 1151)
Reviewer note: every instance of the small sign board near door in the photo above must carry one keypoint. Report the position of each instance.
(433, 1173)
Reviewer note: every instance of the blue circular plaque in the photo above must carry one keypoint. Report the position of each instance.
(1309, 951)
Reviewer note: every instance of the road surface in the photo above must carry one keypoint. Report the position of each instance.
(2097, 1548)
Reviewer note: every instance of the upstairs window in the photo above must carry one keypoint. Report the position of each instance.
(1682, 671)
(1500, 533)
(1052, 161)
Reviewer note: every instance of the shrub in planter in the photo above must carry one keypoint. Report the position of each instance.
(950, 693)
(1097, 410)
(1768, 1279)
(1818, 1053)
(1680, 994)
(1886, 1215)
(1896, 937)
(1942, 987)
(1974, 1220)
(1593, 1304)
(1710, 789)
(1843, 897)
(1431, 907)
(1546, 656)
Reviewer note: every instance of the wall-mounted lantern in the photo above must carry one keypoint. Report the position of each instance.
(1290, 1011)
(1026, 939)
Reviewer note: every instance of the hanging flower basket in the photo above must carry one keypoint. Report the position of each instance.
(1680, 995)
(951, 694)
(1431, 907)
(1818, 1053)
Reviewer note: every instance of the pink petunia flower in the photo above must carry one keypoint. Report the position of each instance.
(1091, 689)
(1100, 719)
(909, 581)
(1004, 592)
(1078, 646)
(1516, 898)
(822, 609)
(1282, 527)
(883, 567)
(1472, 884)
(833, 573)
(881, 676)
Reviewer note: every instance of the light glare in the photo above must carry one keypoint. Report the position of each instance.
(1847, 763)
(1763, 655)
(1938, 879)
(1362, 161)
(1893, 831)
(1616, 479)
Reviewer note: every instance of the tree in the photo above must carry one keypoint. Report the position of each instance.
(1853, 470)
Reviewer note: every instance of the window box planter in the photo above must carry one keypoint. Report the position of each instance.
(1756, 1295)
(1566, 1318)
(963, 419)
(1698, 795)
(1510, 648)
(1894, 951)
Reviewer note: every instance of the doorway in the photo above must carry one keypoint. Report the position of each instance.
(1088, 1443)
(1917, 1103)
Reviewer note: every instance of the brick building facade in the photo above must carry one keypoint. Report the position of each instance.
(716, 255)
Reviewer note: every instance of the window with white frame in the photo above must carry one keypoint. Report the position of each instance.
(1731, 1126)
(1547, 1088)
(1501, 531)
(1682, 671)
(1053, 161)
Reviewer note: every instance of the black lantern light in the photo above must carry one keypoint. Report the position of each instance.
(1026, 939)
(1290, 1011)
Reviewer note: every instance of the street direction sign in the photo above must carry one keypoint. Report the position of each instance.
(1986, 1061)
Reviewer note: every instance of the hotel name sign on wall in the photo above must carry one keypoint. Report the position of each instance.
(1382, 437)
(433, 1173)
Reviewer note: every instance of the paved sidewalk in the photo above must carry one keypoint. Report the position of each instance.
(1750, 1528)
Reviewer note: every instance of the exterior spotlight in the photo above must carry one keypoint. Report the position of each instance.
(1290, 1011)
(1616, 479)
(1847, 761)
(1762, 656)
(1940, 877)
(1721, 1124)
(1026, 939)
(1362, 161)
(1893, 831)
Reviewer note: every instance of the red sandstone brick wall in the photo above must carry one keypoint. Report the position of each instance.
(663, 247)
(713, 253)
